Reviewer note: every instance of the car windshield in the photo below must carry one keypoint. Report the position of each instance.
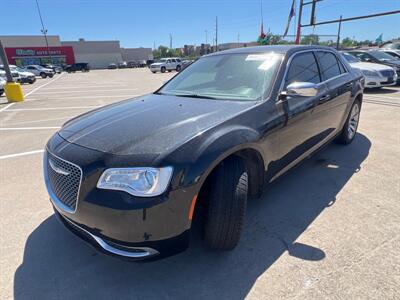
(395, 46)
(350, 58)
(162, 60)
(381, 56)
(226, 77)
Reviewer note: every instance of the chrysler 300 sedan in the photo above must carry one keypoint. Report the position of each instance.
(130, 177)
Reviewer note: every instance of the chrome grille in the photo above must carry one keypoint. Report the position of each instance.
(64, 180)
(387, 73)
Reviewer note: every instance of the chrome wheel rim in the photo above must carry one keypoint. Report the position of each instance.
(353, 121)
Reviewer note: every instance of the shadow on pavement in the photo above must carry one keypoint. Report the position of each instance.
(382, 91)
(59, 265)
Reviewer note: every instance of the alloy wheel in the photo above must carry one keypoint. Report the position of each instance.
(353, 121)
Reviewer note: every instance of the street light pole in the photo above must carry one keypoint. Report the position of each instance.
(44, 31)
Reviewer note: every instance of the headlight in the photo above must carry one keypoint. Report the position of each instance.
(141, 182)
(370, 73)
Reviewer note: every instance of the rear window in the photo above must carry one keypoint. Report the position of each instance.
(329, 65)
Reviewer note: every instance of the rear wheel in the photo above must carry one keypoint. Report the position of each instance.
(51, 75)
(154, 72)
(227, 205)
(163, 69)
(43, 75)
(178, 68)
(349, 130)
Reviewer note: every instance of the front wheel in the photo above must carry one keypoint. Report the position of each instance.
(349, 130)
(226, 205)
(51, 75)
(43, 75)
(163, 69)
(178, 68)
(154, 72)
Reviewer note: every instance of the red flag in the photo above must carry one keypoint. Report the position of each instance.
(262, 34)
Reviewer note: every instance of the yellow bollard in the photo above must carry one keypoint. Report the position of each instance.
(14, 92)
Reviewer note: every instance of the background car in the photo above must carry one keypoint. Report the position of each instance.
(378, 57)
(14, 74)
(132, 64)
(376, 75)
(112, 66)
(2, 83)
(166, 64)
(122, 65)
(56, 69)
(394, 53)
(25, 77)
(39, 71)
(83, 67)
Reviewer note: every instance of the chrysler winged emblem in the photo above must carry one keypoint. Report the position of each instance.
(57, 169)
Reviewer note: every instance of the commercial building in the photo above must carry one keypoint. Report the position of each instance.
(26, 50)
(130, 54)
(99, 54)
(32, 50)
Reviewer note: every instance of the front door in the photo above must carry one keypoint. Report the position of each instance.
(300, 134)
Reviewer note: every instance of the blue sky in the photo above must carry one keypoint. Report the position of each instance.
(141, 23)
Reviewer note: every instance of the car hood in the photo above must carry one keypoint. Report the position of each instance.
(152, 124)
(369, 66)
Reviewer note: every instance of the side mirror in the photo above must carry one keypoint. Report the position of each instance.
(303, 89)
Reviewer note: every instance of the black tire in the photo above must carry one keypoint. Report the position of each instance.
(169, 71)
(51, 75)
(227, 205)
(31, 82)
(178, 68)
(43, 75)
(163, 69)
(154, 72)
(346, 136)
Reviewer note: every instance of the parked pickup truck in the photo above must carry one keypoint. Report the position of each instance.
(131, 177)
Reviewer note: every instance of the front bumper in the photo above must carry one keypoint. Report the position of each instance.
(155, 68)
(115, 222)
(375, 82)
(30, 79)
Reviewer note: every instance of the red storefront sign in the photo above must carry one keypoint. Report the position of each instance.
(21, 55)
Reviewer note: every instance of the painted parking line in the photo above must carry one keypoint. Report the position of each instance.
(52, 108)
(32, 91)
(5, 107)
(28, 128)
(43, 85)
(117, 97)
(21, 154)
(85, 90)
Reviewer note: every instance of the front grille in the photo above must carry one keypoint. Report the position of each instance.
(64, 180)
(387, 73)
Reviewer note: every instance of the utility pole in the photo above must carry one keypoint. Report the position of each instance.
(299, 23)
(206, 36)
(338, 35)
(238, 38)
(44, 31)
(216, 34)
(170, 41)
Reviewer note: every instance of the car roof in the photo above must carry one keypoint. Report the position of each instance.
(282, 49)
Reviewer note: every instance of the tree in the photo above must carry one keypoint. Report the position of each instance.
(311, 39)
(348, 42)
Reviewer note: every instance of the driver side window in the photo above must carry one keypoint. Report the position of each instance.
(303, 68)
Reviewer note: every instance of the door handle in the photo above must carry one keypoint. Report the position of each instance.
(324, 98)
(349, 85)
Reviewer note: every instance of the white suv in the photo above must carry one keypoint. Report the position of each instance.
(166, 64)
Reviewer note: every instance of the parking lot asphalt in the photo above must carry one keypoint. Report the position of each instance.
(329, 229)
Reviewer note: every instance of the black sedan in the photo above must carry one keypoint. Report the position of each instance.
(130, 177)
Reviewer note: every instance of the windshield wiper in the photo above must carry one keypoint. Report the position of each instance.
(190, 95)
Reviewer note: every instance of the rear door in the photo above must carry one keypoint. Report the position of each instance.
(300, 134)
(331, 109)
